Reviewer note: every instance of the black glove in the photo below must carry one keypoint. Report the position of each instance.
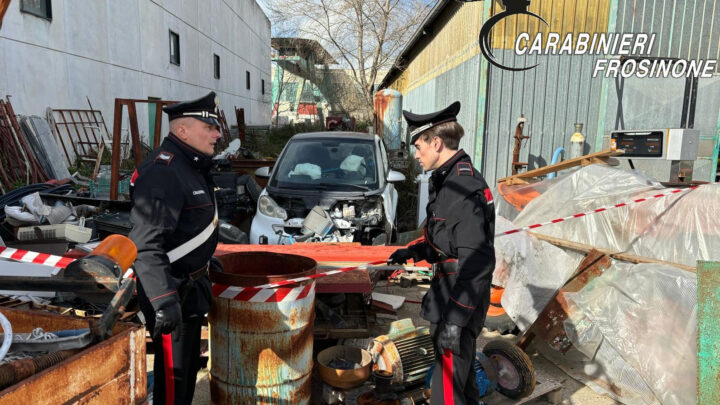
(167, 318)
(401, 256)
(449, 337)
(216, 265)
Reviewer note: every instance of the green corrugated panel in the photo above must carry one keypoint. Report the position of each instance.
(717, 149)
(708, 383)
(612, 18)
(482, 98)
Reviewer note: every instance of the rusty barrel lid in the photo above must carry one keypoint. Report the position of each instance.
(250, 269)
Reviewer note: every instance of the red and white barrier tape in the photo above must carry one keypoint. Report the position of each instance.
(35, 257)
(254, 294)
(601, 209)
(274, 292)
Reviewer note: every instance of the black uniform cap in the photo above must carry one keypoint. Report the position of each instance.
(419, 123)
(205, 109)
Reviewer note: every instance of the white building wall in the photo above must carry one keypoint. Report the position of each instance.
(120, 49)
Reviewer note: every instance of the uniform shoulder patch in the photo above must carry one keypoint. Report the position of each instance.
(465, 169)
(488, 196)
(164, 158)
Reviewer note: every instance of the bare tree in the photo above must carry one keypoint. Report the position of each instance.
(365, 36)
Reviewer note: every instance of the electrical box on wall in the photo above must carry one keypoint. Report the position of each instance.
(667, 144)
(666, 154)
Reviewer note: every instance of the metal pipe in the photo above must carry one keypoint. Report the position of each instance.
(555, 157)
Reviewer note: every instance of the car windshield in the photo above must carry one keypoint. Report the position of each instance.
(327, 164)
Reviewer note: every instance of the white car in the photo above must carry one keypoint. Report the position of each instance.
(328, 187)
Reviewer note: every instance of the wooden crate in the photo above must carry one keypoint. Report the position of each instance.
(110, 372)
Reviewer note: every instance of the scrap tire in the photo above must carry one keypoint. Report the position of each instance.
(496, 318)
(516, 375)
(503, 324)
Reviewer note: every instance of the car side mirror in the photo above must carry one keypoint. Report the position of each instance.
(262, 172)
(395, 177)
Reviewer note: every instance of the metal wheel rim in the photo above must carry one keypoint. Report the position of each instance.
(507, 375)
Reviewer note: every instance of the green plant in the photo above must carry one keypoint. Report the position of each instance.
(271, 143)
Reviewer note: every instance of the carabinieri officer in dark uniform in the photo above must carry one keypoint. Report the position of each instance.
(459, 241)
(175, 230)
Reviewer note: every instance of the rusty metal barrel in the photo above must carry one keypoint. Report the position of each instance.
(261, 340)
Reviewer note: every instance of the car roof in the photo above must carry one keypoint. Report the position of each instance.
(333, 135)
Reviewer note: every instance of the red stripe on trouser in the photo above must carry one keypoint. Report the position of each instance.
(447, 372)
(169, 374)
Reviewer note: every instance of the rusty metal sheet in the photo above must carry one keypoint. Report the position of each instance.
(356, 281)
(708, 379)
(549, 325)
(95, 375)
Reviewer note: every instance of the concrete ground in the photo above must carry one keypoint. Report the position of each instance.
(573, 392)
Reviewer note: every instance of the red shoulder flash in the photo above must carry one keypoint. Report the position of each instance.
(488, 196)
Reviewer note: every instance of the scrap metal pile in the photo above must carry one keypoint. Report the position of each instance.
(20, 164)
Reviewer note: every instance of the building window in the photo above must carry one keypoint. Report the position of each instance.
(216, 63)
(40, 8)
(262, 86)
(247, 79)
(174, 48)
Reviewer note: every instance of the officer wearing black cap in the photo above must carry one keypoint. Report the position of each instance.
(174, 228)
(458, 240)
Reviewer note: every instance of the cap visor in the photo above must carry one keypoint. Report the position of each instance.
(209, 120)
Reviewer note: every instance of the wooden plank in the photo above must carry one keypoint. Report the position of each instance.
(134, 132)
(708, 376)
(158, 126)
(597, 157)
(627, 257)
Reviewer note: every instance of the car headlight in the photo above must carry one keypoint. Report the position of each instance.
(269, 207)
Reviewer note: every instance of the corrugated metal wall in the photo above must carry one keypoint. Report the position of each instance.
(446, 69)
(687, 29)
(450, 43)
(561, 90)
(459, 83)
(553, 96)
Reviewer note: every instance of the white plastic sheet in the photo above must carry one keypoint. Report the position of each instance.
(681, 228)
(530, 270)
(636, 323)
(647, 314)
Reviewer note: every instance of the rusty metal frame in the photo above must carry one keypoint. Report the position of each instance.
(549, 324)
(224, 130)
(4, 5)
(72, 125)
(24, 166)
(120, 104)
